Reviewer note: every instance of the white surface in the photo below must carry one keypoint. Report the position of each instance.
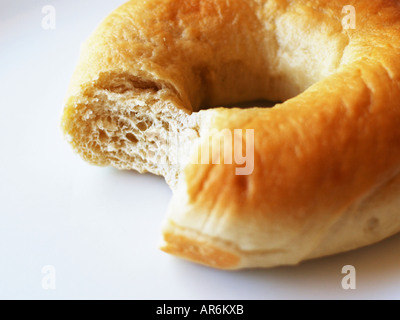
(100, 227)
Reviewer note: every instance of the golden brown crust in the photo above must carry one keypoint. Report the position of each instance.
(200, 252)
(322, 158)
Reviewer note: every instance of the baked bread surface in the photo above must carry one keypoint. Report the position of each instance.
(326, 161)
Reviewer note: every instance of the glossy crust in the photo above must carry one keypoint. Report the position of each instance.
(326, 161)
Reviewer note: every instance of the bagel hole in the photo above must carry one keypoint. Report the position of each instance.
(247, 105)
(121, 83)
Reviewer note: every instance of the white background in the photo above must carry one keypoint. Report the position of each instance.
(100, 227)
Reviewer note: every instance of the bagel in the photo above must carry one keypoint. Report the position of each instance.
(319, 172)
